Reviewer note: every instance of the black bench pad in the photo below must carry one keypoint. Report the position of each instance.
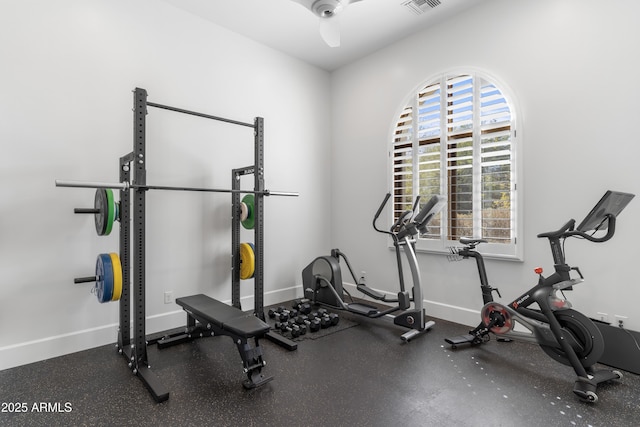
(224, 316)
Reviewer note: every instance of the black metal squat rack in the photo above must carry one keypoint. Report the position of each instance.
(132, 245)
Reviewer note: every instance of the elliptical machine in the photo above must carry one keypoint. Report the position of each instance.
(322, 279)
(564, 334)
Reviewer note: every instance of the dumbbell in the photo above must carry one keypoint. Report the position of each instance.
(295, 331)
(301, 325)
(301, 319)
(322, 319)
(314, 324)
(323, 315)
(325, 322)
(302, 305)
(280, 313)
(273, 313)
(284, 327)
(284, 316)
(334, 318)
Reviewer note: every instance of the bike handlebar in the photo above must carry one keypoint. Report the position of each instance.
(567, 230)
(560, 233)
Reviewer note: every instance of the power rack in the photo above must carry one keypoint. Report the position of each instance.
(203, 313)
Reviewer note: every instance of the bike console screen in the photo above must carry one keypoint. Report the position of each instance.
(610, 205)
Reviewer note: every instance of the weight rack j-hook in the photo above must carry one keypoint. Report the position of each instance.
(132, 242)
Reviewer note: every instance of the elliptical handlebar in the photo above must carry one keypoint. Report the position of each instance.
(409, 223)
(430, 209)
(375, 217)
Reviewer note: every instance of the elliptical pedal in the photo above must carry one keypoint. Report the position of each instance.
(359, 308)
(370, 292)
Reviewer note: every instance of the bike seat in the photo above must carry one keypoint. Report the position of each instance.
(471, 241)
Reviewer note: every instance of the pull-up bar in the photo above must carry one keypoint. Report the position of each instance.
(195, 113)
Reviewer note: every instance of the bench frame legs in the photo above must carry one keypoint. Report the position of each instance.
(252, 355)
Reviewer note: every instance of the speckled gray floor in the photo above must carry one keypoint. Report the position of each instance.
(359, 376)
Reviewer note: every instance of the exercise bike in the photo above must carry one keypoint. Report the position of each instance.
(564, 334)
(322, 279)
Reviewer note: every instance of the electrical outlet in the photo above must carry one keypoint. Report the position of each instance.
(168, 297)
(363, 276)
(603, 317)
(620, 320)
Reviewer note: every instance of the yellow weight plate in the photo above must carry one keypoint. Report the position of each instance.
(247, 261)
(117, 276)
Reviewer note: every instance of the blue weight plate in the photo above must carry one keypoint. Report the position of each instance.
(104, 278)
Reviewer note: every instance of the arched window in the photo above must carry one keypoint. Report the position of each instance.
(456, 136)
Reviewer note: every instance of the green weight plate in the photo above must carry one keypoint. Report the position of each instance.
(247, 261)
(106, 206)
(111, 211)
(250, 221)
(104, 278)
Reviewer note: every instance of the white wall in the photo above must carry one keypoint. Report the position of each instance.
(572, 67)
(68, 68)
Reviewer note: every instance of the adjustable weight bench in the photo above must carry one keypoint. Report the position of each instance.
(209, 317)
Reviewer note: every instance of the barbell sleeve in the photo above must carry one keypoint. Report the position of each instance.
(92, 184)
(281, 193)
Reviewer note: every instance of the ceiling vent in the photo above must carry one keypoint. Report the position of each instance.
(420, 6)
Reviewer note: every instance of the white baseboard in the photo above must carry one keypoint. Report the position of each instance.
(59, 345)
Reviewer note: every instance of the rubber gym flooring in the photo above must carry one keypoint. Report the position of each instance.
(362, 375)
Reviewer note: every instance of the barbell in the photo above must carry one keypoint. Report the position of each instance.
(127, 185)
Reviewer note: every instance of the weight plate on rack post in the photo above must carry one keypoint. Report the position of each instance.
(247, 261)
(105, 204)
(249, 222)
(117, 276)
(244, 211)
(104, 278)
